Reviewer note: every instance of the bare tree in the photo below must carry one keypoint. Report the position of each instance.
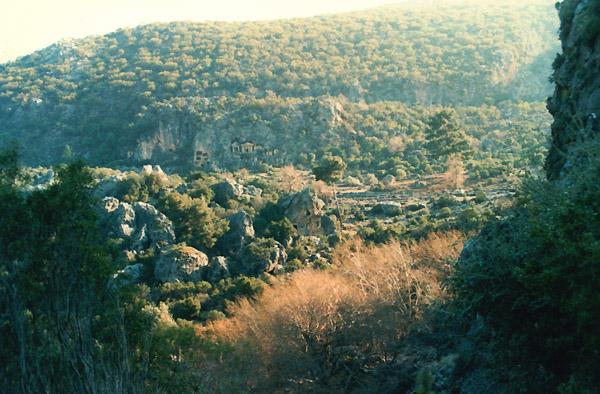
(455, 173)
(289, 179)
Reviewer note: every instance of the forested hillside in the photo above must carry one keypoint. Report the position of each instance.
(109, 97)
(416, 247)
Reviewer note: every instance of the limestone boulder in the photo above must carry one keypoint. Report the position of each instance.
(305, 210)
(261, 255)
(158, 227)
(226, 191)
(217, 270)
(241, 231)
(129, 275)
(141, 224)
(108, 186)
(253, 191)
(180, 263)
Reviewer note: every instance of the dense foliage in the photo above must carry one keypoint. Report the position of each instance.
(414, 53)
(533, 278)
(216, 306)
(57, 313)
(530, 281)
(102, 95)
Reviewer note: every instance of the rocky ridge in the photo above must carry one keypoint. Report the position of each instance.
(575, 104)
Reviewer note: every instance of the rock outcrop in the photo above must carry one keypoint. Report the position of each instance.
(226, 191)
(329, 225)
(305, 211)
(261, 255)
(575, 104)
(140, 223)
(217, 270)
(180, 263)
(499, 257)
(155, 171)
(127, 276)
(107, 186)
(241, 231)
(157, 226)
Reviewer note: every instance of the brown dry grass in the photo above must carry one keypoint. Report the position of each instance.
(323, 331)
(387, 271)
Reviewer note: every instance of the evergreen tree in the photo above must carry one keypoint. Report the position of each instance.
(61, 327)
(331, 170)
(445, 136)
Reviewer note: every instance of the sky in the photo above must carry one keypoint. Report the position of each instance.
(28, 25)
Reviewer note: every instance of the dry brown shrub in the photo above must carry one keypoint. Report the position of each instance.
(295, 328)
(397, 144)
(454, 176)
(289, 179)
(325, 330)
(323, 190)
(407, 274)
(437, 248)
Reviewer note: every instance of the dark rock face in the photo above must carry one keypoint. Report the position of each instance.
(575, 104)
(241, 231)
(127, 276)
(329, 225)
(180, 263)
(177, 137)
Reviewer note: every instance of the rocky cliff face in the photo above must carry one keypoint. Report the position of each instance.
(193, 133)
(575, 104)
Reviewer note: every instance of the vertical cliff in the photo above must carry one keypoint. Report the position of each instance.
(575, 104)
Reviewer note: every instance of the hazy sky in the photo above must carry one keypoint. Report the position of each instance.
(28, 25)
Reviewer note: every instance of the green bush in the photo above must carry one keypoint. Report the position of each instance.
(281, 231)
(445, 213)
(472, 218)
(195, 222)
(379, 233)
(231, 289)
(180, 290)
(534, 278)
(187, 308)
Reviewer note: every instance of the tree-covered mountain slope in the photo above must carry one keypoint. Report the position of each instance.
(104, 95)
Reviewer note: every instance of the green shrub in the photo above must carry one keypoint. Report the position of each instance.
(445, 213)
(445, 201)
(195, 222)
(534, 278)
(187, 308)
(180, 290)
(379, 233)
(231, 289)
(282, 231)
(472, 218)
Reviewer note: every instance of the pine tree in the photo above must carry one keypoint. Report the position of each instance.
(445, 136)
(331, 170)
